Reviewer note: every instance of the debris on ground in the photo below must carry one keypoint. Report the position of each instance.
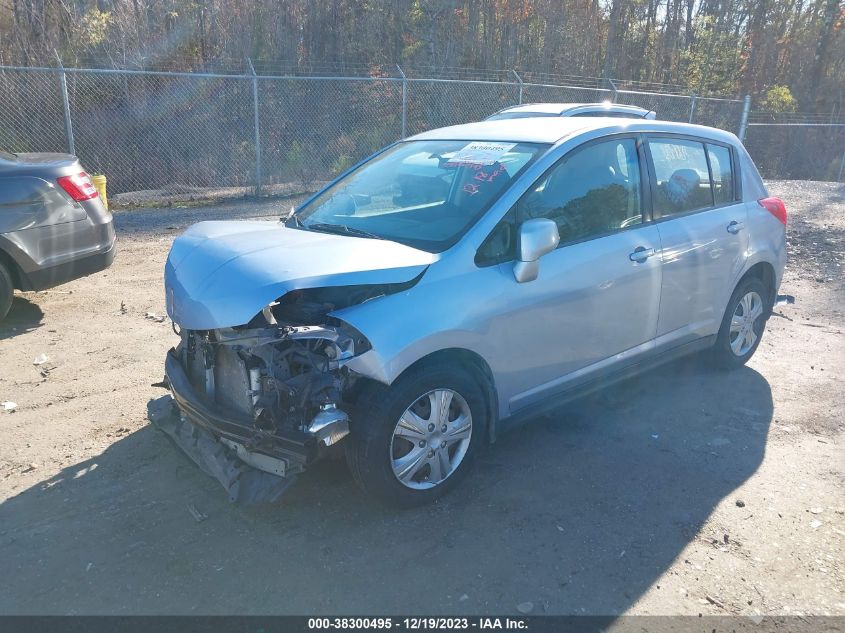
(815, 524)
(40, 359)
(123, 308)
(816, 510)
(740, 503)
(525, 607)
(715, 602)
(9, 406)
(198, 516)
(152, 316)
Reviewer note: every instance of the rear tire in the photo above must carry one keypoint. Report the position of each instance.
(7, 290)
(742, 325)
(414, 441)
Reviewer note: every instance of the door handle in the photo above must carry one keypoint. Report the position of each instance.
(735, 227)
(640, 254)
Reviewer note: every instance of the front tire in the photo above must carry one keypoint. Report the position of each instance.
(742, 325)
(414, 441)
(7, 291)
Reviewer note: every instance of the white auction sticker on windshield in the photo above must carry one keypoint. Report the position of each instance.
(480, 153)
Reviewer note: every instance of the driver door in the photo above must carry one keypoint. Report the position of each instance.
(595, 303)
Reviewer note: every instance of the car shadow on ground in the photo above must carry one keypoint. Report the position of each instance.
(23, 317)
(580, 512)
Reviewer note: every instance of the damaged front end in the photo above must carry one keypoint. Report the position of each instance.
(254, 405)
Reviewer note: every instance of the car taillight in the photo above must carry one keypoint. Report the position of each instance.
(78, 186)
(774, 206)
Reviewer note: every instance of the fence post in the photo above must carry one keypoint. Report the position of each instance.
(841, 168)
(257, 130)
(743, 122)
(692, 101)
(613, 88)
(404, 101)
(71, 146)
(519, 79)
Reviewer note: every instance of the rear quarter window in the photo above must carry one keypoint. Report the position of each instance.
(722, 170)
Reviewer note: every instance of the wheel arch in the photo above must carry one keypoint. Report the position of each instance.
(477, 367)
(13, 269)
(765, 272)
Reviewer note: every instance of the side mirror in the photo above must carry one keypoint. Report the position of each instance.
(536, 238)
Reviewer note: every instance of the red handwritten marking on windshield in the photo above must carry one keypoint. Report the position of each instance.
(488, 176)
(471, 188)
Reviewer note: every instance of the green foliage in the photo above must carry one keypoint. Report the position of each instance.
(343, 162)
(778, 99)
(93, 29)
(300, 164)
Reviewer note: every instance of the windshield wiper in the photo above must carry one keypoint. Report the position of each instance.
(340, 229)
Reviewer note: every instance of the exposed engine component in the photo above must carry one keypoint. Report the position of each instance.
(286, 378)
(285, 368)
(330, 425)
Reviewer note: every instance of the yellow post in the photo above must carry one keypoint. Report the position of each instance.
(100, 183)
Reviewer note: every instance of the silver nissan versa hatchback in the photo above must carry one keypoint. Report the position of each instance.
(457, 281)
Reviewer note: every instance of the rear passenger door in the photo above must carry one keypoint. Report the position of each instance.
(702, 224)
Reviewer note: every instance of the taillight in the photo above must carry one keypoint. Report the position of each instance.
(774, 206)
(78, 186)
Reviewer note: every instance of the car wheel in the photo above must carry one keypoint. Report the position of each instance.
(7, 290)
(414, 441)
(743, 324)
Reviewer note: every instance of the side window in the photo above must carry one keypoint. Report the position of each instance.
(591, 191)
(683, 180)
(720, 167)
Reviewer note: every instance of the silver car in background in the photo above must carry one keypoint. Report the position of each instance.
(53, 225)
(605, 109)
(460, 281)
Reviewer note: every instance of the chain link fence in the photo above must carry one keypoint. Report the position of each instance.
(797, 146)
(170, 130)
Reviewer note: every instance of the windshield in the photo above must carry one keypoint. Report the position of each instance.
(425, 194)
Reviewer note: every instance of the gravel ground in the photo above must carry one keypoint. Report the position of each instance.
(683, 491)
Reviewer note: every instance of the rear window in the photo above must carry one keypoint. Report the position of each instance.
(683, 179)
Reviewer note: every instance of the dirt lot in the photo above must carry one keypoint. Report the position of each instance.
(684, 491)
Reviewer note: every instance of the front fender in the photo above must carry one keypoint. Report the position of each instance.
(439, 313)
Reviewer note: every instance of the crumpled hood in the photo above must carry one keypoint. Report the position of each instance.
(221, 274)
